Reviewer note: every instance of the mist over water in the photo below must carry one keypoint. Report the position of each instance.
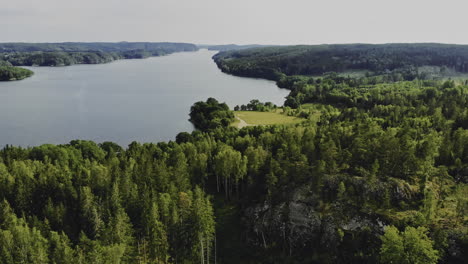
(128, 100)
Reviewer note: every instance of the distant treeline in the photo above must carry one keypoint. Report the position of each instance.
(96, 46)
(228, 47)
(275, 62)
(39, 58)
(63, 54)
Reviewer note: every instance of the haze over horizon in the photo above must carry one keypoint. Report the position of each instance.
(240, 22)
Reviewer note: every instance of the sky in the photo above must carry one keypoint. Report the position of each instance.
(235, 21)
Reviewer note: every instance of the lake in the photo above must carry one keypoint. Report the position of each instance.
(145, 100)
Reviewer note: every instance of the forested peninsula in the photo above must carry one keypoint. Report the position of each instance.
(402, 61)
(376, 172)
(11, 73)
(70, 53)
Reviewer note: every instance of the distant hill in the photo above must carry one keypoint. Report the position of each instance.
(228, 47)
(69, 53)
(273, 62)
(96, 46)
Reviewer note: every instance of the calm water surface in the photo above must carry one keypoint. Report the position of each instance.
(128, 100)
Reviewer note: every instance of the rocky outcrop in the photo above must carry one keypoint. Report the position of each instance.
(303, 222)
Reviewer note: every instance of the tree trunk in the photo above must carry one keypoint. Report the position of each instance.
(202, 255)
(264, 242)
(226, 186)
(207, 251)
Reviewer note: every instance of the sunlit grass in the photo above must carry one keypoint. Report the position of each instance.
(253, 118)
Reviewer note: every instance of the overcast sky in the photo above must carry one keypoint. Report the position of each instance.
(235, 21)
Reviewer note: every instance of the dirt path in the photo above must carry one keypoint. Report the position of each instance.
(242, 123)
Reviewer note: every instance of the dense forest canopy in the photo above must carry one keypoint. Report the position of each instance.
(376, 173)
(274, 62)
(385, 165)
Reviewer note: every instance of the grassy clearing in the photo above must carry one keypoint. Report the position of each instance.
(253, 118)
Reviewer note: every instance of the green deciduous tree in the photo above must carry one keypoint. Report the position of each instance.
(412, 246)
